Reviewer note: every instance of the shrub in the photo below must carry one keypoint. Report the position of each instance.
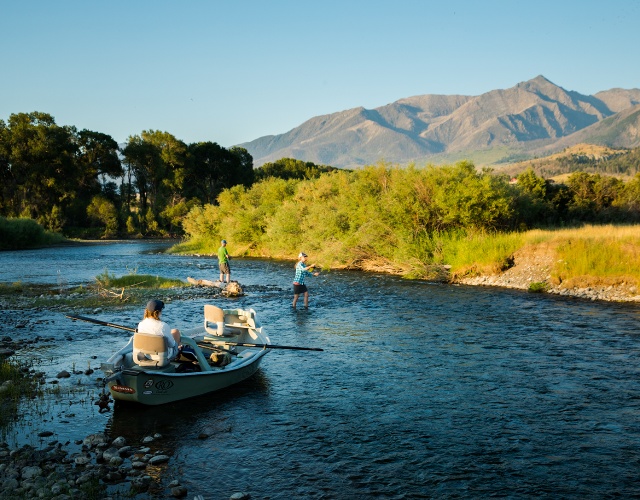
(16, 234)
(537, 287)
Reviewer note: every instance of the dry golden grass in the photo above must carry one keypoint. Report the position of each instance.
(590, 255)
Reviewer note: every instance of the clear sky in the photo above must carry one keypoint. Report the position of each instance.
(230, 71)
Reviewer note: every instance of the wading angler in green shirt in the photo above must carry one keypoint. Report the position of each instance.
(223, 262)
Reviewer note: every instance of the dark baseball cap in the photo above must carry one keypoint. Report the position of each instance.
(155, 305)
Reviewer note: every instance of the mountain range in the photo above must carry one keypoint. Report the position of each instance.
(533, 118)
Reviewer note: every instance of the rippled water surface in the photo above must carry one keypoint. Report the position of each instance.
(423, 390)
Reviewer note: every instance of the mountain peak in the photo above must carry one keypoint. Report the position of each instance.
(539, 82)
(531, 114)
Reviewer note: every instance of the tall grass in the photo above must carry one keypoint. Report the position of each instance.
(610, 254)
(16, 234)
(484, 253)
(15, 382)
(137, 280)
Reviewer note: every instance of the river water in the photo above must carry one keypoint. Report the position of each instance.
(423, 390)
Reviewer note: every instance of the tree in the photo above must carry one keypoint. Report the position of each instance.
(104, 211)
(40, 170)
(290, 168)
(143, 160)
(157, 161)
(243, 172)
(212, 168)
(592, 195)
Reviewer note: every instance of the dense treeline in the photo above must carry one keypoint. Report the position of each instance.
(72, 181)
(400, 214)
(82, 183)
(69, 180)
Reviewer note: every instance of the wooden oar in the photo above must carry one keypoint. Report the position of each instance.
(262, 346)
(98, 322)
(268, 346)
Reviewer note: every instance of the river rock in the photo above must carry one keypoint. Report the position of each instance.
(159, 459)
(178, 492)
(119, 442)
(82, 460)
(85, 478)
(110, 453)
(240, 496)
(30, 472)
(113, 477)
(63, 374)
(56, 489)
(125, 451)
(93, 440)
(141, 482)
(10, 484)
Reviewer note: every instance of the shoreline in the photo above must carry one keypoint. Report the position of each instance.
(536, 268)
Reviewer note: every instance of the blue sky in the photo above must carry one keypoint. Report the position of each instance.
(233, 71)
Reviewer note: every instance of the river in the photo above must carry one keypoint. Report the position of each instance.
(423, 390)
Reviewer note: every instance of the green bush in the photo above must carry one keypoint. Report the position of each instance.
(16, 234)
(538, 287)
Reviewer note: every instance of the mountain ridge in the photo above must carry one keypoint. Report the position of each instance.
(531, 117)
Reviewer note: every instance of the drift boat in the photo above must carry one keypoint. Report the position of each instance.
(226, 349)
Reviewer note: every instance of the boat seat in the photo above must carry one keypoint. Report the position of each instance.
(214, 320)
(150, 350)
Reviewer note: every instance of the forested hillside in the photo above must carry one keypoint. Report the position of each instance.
(582, 158)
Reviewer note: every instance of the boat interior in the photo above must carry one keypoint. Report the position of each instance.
(203, 348)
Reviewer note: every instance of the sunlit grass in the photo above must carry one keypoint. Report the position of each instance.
(137, 281)
(204, 246)
(480, 252)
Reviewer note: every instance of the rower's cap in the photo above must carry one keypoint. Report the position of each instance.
(224, 242)
(155, 305)
(302, 254)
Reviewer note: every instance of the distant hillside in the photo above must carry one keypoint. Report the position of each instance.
(621, 130)
(582, 157)
(529, 118)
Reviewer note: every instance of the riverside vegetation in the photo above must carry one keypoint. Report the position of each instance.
(449, 223)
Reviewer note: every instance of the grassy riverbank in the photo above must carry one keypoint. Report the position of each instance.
(586, 256)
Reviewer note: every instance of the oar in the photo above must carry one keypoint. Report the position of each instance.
(103, 323)
(262, 346)
(269, 346)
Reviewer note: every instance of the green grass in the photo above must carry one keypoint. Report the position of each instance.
(137, 281)
(610, 260)
(481, 252)
(15, 383)
(202, 246)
